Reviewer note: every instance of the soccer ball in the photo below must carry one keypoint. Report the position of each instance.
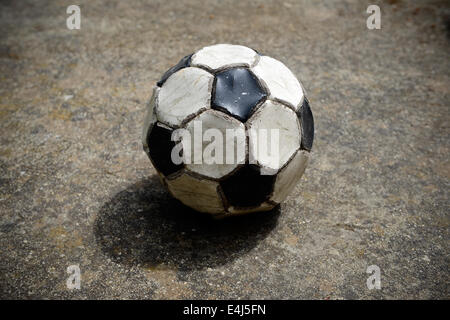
(229, 130)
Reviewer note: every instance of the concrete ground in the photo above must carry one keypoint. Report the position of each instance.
(76, 187)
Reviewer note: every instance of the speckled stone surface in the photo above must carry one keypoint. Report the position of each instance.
(76, 187)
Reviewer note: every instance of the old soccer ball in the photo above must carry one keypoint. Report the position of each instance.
(229, 130)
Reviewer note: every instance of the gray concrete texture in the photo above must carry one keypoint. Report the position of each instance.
(76, 187)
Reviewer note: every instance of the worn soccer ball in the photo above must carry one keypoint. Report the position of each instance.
(229, 130)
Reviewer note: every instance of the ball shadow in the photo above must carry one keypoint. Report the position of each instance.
(144, 225)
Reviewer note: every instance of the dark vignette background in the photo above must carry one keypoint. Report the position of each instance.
(76, 187)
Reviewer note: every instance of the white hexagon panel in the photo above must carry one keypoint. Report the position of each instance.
(288, 177)
(220, 56)
(216, 144)
(199, 194)
(274, 135)
(184, 93)
(280, 81)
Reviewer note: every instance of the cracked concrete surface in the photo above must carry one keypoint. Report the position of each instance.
(76, 187)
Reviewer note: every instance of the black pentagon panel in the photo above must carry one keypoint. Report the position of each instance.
(184, 63)
(237, 91)
(160, 149)
(247, 187)
(307, 121)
